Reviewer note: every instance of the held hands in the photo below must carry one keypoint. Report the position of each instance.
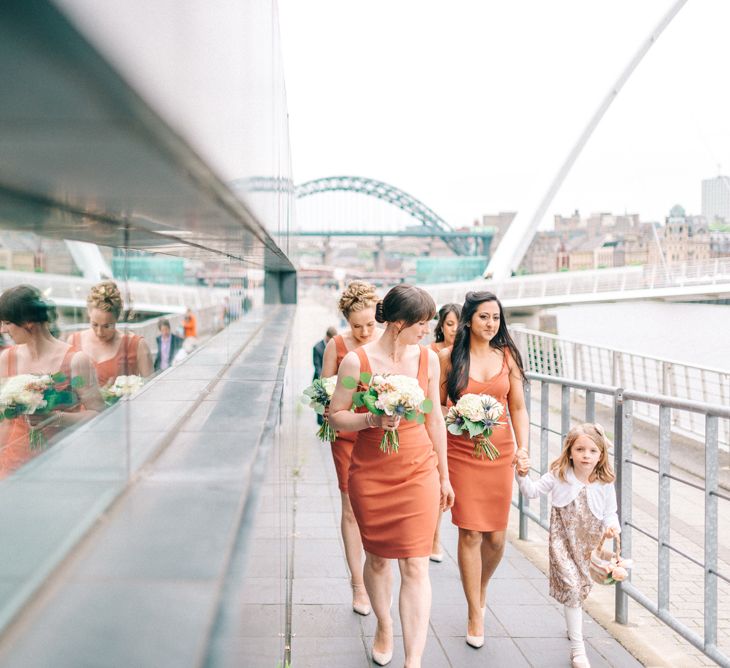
(610, 532)
(521, 462)
(447, 496)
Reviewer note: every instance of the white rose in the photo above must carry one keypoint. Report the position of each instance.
(471, 407)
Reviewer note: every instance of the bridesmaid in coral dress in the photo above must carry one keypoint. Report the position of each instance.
(395, 495)
(443, 334)
(483, 360)
(114, 353)
(357, 305)
(26, 317)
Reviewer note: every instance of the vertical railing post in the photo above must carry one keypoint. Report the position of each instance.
(622, 452)
(544, 435)
(711, 450)
(615, 370)
(564, 411)
(590, 406)
(663, 508)
(522, 502)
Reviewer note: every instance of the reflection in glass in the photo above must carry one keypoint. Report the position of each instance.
(55, 384)
(114, 352)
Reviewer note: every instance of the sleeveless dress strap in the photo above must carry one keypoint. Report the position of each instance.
(434, 348)
(75, 340)
(364, 361)
(423, 368)
(340, 348)
(130, 345)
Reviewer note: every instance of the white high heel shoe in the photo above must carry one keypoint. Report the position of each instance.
(476, 641)
(360, 609)
(382, 658)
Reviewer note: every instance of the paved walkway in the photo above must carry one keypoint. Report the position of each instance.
(524, 626)
(299, 584)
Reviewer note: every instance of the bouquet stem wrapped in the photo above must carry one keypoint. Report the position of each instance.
(477, 414)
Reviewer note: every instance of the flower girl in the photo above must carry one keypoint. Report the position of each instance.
(580, 483)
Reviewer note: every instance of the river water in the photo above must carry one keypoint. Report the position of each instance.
(696, 334)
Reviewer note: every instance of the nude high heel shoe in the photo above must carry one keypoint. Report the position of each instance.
(476, 641)
(382, 658)
(360, 609)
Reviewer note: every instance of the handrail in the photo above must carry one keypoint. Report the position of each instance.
(624, 403)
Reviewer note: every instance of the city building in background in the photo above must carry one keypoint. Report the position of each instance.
(716, 199)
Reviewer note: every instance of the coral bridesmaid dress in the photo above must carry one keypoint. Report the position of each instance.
(483, 488)
(395, 497)
(124, 362)
(342, 446)
(15, 447)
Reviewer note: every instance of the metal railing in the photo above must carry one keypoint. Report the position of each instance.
(625, 402)
(555, 356)
(678, 277)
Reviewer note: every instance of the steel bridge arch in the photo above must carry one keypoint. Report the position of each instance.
(390, 194)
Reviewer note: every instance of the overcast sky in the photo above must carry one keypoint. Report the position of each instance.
(472, 105)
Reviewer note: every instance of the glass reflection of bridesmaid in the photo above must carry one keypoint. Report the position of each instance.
(113, 352)
(27, 318)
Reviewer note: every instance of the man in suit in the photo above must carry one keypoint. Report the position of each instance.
(318, 351)
(318, 356)
(167, 345)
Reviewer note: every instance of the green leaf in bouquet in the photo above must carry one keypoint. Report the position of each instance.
(77, 381)
(349, 383)
(357, 399)
(369, 400)
(318, 409)
(473, 428)
(58, 377)
(411, 415)
(10, 412)
(420, 418)
(366, 377)
(454, 429)
(427, 405)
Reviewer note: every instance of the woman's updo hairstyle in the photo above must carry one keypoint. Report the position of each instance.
(105, 296)
(24, 303)
(357, 296)
(407, 303)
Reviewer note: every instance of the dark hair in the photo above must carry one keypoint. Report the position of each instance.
(163, 322)
(458, 377)
(24, 303)
(407, 303)
(438, 332)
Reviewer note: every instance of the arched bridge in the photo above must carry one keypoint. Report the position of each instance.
(433, 223)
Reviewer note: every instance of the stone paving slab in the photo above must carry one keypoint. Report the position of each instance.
(524, 626)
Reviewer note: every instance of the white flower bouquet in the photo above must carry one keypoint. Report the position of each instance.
(31, 394)
(477, 414)
(122, 386)
(392, 395)
(318, 396)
